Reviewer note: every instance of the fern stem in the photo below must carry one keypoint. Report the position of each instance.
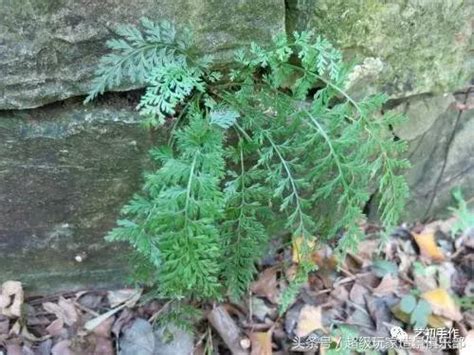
(188, 190)
(292, 182)
(331, 148)
(329, 83)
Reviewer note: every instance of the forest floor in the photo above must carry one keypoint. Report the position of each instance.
(411, 294)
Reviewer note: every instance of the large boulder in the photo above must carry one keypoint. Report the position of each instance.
(50, 48)
(405, 47)
(65, 172)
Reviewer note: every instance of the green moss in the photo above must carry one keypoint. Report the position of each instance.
(423, 44)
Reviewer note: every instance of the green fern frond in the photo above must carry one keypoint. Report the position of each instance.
(272, 138)
(136, 52)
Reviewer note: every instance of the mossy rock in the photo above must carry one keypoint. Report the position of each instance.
(424, 46)
(49, 49)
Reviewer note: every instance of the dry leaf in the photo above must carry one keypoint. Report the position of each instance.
(365, 251)
(13, 348)
(380, 313)
(445, 226)
(291, 272)
(125, 316)
(130, 302)
(64, 310)
(56, 327)
(25, 334)
(261, 343)
(357, 293)
(4, 325)
(266, 285)
(340, 293)
(104, 329)
(103, 346)
(428, 248)
(439, 322)
(299, 244)
(310, 319)
(426, 280)
(11, 299)
(324, 258)
(62, 348)
(388, 285)
(442, 304)
(117, 297)
(15, 328)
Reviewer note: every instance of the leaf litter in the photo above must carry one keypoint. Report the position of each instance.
(420, 276)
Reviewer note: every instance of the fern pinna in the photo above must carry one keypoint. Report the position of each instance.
(275, 136)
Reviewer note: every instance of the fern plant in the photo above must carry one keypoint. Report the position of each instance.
(275, 137)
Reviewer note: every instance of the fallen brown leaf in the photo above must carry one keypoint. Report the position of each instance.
(442, 304)
(44, 348)
(380, 313)
(266, 285)
(56, 327)
(436, 321)
(357, 293)
(428, 248)
(62, 348)
(444, 225)
(301, 246)
(324, 258)
(261, 343)
(125, 316)
(14, 348)
(64, 310)
(340, 293)
(117, 297)
(388, 285)
(104, 329)
(309, 319)
(103, 346)
(4, 325)
(11, 299)
(130, 302)
(366, 249)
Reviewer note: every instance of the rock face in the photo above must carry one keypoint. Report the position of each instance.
(65, 172)
(424, 46)
(49, 48)
(441, 143)
(66, 169)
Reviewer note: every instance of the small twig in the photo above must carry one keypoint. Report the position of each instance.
(250, 315)
(350, 278)
(227, 329)
(160, 311)
(257, 326)
(85, 309)
(201, 339)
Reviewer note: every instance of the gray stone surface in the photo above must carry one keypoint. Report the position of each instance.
(140, 338)
(65, 172)
(441, 146)
(50, 48)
